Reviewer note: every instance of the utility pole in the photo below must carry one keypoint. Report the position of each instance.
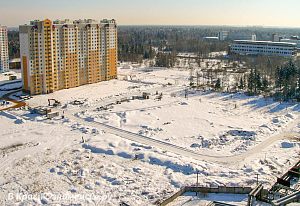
(197, 178)
(265, 156)
(197, 184)
(191, 74)
(198, 83)
(186, 93)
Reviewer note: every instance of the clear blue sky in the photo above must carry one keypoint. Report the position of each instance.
(157, 12)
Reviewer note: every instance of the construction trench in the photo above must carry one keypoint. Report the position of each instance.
(282, 192)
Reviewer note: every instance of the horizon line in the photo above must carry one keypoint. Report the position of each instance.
(196, 25)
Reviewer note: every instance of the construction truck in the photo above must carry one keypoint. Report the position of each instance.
(53, 103)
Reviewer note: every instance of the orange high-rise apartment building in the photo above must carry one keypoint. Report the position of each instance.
(65, 54)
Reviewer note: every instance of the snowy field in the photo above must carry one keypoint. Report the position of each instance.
(206, 122)
(151, 147)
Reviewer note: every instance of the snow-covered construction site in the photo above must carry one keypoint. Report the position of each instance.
(139, 139)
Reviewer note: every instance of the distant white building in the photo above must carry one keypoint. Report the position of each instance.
(294, 40)
(223, 35)
(246, 47)
(276, 38)
(211, 38)
(4, 59)
(241, 36)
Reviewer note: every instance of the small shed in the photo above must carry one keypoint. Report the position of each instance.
(12, 77)
(52, 115)
(146, 95)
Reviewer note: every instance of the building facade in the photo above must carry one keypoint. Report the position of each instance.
(276, 38)
(223, 35)
(295, 40)
(4, 58)
(244, 47)
(65, 54)
(241, 36)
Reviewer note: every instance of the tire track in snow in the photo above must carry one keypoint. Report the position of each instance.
(184, 151)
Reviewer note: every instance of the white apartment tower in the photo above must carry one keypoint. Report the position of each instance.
(4, 59)
(64, 54)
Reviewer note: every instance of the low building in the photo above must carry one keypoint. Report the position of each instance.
(223, 35)
(241, 36)
(276, 38)
(253, 37)
(15, 63)
(211, 38)
(246, 47)
(292, 40)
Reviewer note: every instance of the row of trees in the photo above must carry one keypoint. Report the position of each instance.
(136, 52)
(166, 59)
(287, 81)
(138, 43)
(256, 82)
(283, 83)
(13, 44)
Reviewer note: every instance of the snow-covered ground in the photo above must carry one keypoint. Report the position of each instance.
(232, 138)
(4, 77)
(206, 122)
(190, 199)
(94, 93)
(5, 104)
(7, 85)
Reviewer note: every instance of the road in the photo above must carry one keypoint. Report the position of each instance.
(184, 151)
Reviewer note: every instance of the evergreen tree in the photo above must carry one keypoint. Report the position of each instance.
(251, 80)
(218, 84)
(265, 84)
(242, 85)
(257, 82)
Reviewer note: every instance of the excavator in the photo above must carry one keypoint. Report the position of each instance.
(53, 103)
